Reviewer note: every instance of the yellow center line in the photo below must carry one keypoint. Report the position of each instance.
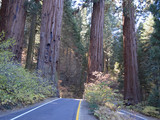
(77, 117)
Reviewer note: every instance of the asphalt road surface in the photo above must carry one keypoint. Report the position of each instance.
(59, 109)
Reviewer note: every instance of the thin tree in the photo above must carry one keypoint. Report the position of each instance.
(131, 82)
(34, 7)
(52, 12)
(95, 58)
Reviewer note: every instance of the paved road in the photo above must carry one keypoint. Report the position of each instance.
(61, 109)
(85, 113)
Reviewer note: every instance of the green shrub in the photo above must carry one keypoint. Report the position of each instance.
(99, 93)
(17, 85)
(151, 111)
(145, 109)
(105, 113)
(154, 97)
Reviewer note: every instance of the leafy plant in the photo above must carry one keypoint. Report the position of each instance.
(17, 85)
(104, 113)
(99, 93)
(145, 109)
(151, 111)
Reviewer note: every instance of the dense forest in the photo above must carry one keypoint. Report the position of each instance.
(104, 51)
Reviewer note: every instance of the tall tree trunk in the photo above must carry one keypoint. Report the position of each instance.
(50, 38)
(15, 22)
(131, 83)
(31, 41)
(95, 58)
(3, 15)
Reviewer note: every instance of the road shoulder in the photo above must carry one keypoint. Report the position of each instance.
(136, 115)
(84, 112)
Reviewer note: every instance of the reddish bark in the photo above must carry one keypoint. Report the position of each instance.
(131, 83)
(52, 12)
(95, 58)
(14, 27)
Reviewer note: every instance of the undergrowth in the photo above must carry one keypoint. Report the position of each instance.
(19, 87)
(145, 109)
(103, 99)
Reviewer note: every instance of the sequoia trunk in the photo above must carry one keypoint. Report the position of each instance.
(95, 58)
(131, 83)
(14, 27)
(52, 12)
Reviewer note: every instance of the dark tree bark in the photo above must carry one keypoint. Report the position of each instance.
(34, 10)
(50, 38)
(3, 15)
(131, 83)
(14, 27)
(31, 41)
(95, 58)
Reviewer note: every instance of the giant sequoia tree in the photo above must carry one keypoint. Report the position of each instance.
(131, 83)
(95, 58)
(15, 16)
(50, 38)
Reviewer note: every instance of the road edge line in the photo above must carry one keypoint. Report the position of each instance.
(123, 111)
(77, 116)
(33, 109)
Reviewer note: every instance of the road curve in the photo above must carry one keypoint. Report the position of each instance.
(59, 109)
